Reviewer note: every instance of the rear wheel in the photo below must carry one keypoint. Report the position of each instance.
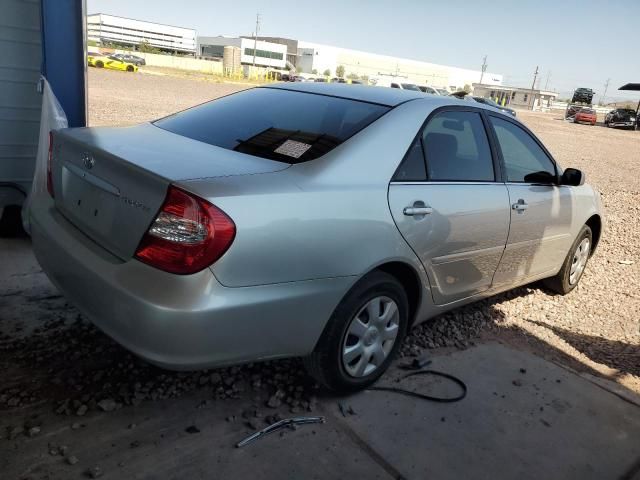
(130, 68)
(362, 336)
(99, 64)
(573, 267)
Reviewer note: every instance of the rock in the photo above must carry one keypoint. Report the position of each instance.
(33, 431)
(72, 459)
(63, 449)
(94, 472)
(625, 262)
(215, 378)
(192, 429)
(76, 426)
(81, 410)
(274, 402)
(517, 383)
(107, 405)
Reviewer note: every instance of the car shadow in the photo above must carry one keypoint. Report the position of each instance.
(621, 356)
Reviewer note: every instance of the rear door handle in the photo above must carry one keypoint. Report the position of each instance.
(520, 206)
(413, 211)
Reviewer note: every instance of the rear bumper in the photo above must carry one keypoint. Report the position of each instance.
(180, 322)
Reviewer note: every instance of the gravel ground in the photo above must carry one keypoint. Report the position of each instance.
(49, 354)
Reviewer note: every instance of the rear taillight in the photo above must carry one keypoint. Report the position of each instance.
(49, 158)
(187, 235)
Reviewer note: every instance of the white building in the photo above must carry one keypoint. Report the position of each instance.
(267, 54)
(516, 96)
(314, 56)
(107, 29)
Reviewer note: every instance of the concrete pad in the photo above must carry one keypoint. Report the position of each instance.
(546, 423)
(159, 447)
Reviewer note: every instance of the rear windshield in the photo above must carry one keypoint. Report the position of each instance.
(283, 125)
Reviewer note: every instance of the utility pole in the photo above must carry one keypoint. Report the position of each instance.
(484, 68)
(546, 84)
(255, 38)
(533, 86)
(606, 86)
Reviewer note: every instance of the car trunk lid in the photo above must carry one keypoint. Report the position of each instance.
(111, 182)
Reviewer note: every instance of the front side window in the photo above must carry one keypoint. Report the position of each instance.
(456, 148)
(273, 123)
(524, 159)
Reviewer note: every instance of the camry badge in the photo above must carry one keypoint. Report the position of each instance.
(88, 161)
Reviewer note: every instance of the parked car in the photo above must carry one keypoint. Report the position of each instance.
(427, 89)
(443, 91)
(397, 82)
(583, 95)
(586, 115)
(111, 63)
(308, 220)
(128, 58)
(491, 103)
(621, 117)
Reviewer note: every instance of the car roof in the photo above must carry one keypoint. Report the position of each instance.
(364, 93)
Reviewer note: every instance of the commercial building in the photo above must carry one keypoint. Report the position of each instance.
(266, 54)
(314, 57)
(110, 29)
(516, 96)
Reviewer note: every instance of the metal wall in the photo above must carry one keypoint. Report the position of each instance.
(20, 102)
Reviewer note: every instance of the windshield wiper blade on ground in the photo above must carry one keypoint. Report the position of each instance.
(274, 427)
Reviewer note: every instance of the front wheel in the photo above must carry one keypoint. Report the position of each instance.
(362, 336)
(130, 68)
(573, 267)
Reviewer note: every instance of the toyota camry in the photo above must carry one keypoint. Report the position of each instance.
(304, 220)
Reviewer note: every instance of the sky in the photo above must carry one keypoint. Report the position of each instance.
(574, 43)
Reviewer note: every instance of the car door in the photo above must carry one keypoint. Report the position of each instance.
(541, 210)
(450, 205)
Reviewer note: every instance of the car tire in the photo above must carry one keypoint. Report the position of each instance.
(575, 263)
(11, 222)
(336, 363)
(130, 68)
(99, 64)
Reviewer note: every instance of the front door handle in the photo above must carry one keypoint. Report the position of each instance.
(414, 211)
(520, 206)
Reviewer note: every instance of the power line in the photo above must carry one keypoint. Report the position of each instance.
(533, 86)
(546, 84)
(255, 38)
(484, 68)
(606, 86)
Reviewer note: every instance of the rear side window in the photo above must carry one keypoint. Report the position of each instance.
(412, 167)
(524, 160)
(456, 148)
(283, 125)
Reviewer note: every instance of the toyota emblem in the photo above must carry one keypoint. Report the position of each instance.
(88, 161)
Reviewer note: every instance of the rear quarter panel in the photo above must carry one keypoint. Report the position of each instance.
(325, 218)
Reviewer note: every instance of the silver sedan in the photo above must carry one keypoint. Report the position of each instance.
(311, 220)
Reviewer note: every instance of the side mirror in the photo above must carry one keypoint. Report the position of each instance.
(572, 177)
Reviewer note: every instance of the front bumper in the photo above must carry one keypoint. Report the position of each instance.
(622, 124)
(180, 322)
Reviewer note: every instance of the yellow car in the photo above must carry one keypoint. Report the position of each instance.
(113, 63)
